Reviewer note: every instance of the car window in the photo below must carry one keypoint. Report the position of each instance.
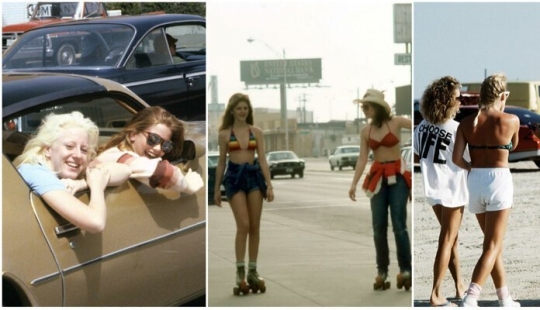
(84, 45)
(105, 112)
(191, 44)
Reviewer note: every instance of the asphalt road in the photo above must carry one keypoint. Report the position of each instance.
(316, 247)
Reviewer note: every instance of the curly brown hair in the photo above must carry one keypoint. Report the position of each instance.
(438, 103)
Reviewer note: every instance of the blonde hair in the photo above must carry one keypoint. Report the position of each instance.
(491, 89)
(228, 118)
(52, 127)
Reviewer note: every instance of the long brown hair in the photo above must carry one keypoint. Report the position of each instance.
(228, 118)
(140, 122)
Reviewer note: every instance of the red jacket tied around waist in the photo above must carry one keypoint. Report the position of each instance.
(389, 170)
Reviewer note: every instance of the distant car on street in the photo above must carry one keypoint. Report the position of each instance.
(213, 158)
(285, 163)
(344, 156)
(131, 50)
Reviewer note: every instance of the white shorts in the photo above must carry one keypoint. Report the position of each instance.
(490, 189)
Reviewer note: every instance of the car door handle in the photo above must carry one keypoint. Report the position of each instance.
(192, 80)
(64, 229)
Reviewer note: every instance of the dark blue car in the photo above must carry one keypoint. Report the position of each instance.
(131, 50)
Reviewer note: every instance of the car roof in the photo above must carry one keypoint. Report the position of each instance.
(141, 22)
(45, 87)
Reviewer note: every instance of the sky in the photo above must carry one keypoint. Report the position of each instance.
(469, 40)
(354, 39)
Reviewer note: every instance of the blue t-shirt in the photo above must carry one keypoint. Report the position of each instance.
(40, 178)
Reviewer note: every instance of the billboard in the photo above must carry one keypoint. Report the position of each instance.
(273, 71)
(402, 23)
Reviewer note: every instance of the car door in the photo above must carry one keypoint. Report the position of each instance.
(151, 253)
(178, 87)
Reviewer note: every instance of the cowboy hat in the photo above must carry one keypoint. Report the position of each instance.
(374, 96)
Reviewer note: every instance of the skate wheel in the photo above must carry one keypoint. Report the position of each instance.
(263, 289)
(387, 285)
(236, 291)
(375, 286)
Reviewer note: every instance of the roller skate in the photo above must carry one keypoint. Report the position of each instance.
(380, 281)
(255, 283)
(404, 280)
(241, 285)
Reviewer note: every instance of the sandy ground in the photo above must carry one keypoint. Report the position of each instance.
(521, 247)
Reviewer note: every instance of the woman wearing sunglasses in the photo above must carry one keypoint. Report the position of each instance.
(445, 184)
(151, 137)
(247, 182)
(490, 135)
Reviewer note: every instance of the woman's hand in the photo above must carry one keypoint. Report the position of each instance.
(352, 193)
(269, 194)
(74, 186)
(217, 197)
(97, 178)
(193, 181)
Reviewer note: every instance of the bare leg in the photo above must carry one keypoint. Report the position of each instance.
(239, 207)
(255, 203)
(490, 262)
(446, 257)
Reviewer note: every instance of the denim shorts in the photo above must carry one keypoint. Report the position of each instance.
(243, 177)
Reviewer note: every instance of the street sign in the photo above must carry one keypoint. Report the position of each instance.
(402, 59)
(402, 23)
(272, 71)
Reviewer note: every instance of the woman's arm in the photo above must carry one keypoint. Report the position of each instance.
(404, 122)
(91, 217)
(220, 169)
(264, 164)
(360, 163)
(459, 148)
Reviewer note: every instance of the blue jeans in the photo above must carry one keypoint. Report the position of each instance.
(395, 196)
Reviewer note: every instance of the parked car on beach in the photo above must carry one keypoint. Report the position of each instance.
(528, 147)
(344, 156)
(131, 50)
(152, 250)
(285, 163)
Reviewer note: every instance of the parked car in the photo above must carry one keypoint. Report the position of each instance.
(344, 156)
(407, 155)
(285, 163)
(152, 251)
(131, 50)
(528, 147)
(213, 158)
(45, 13)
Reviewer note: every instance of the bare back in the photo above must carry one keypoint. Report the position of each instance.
(489, 141)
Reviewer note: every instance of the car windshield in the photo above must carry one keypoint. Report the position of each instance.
(350, 150)
(100, 45)
(282, 156)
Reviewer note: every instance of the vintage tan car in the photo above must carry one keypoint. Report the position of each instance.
(153, 249)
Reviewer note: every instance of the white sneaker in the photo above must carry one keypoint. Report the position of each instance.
(468, 301)
(508, 302)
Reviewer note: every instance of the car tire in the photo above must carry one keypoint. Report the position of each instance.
(65, 55)
(353, 167)
(301, 174)
(537, 162)
(271, 176)
(331, 167)
(292, 175)
(340, 167)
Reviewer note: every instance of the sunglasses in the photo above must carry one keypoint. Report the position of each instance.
(153, 139)
(365, 107)
(459, 98)
(506, 94)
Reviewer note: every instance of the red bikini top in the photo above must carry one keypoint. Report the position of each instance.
(389, 140)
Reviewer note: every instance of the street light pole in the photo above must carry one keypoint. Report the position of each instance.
(283, 93)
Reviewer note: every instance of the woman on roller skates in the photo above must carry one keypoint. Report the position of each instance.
(491, 135)
(247, 183)
(387, 185)
(445, 184)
